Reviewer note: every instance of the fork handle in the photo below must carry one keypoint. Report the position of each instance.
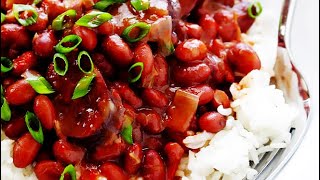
(286, 21)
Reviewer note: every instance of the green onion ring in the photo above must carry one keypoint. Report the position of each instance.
(58, 22)
(94, 19)
(138, 64)
(38, 83)
(3, 17)
(144, 30)
(17, 8)
(258, 8)
(69, 170)
(104, 4)
(79, 62)
(126, 134)
(36, 134)
(70, 38)
(140, 5)
(57, 69)
(6, 64)
(83, 87)
(5, 109)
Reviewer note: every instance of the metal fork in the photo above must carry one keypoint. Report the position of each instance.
(273, 162)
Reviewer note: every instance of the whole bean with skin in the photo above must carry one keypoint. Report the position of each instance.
(161, 66)
(210, 26)
(133, 158)
(43, 43)
(25, 150)
(154, 98)
(128, 95)
(25, 61)
(191, 50)
(48, 170)
(153, 166)
(228, 29)
(15, 127)
(191, 75)
(88, 36)
(205, 93)
(68, 153)
(19, 93)
(113, 172)
(174, 154)
(45, 111)
(9, 34)
(220, 98)
(212, 122)
(118, 50)
(41, 23)
(143, 53)
(150, 120)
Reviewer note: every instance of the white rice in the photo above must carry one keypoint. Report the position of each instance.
(8, 170)
(262, 124)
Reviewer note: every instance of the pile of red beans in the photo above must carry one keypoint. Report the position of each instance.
(176, 96)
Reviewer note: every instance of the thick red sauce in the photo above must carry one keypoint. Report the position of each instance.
(177, 95)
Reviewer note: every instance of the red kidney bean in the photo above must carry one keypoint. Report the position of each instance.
(193, 30)
(45, 111)
(128, 95)
(228, 25)
(106, 28)
(191, 50)
(133, 158)
(220, 98)
(244, 20)
(210, 26)
(205, 93)
(41, 23)
(25, 61)
(221, 71)
(103, 65)
(154, 142)
(154, 98)
(137, 134)
(118, 50)
(153, 166)
(88, 36)
(161, 66)
(189, 75)
(43, 44)
(9, 4)
(243, 58)
(25, 150)
(109, 151)
(143, 53)
(55, 7)
(19, 93)
(151, 121)
(7, 82)
(226, 2)
(67, 153)
(15, 127)
(10, 33)
(48, 170)
(212, 122)
(218, 48)
(113, 172)
(174, 153)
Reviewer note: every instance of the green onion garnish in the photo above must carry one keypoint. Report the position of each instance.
(69, 170)
(104, 4)
(74, 39)
(138, 64)
(94, 19)
(38, 83)
(58, 22)
(255, 9)
(35, 2)
(126, 134)
(144, 30)
(83, 87)
(140, 5)
(6, 64)
(17, 8)
(3, 17)
(33, 122)
(5, 109)
(57, 61)
(80, 59)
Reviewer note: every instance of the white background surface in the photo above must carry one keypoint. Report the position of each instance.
(305, 46)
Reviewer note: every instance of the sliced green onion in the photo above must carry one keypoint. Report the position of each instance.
(140, 5)
(3, 17)
(39, 83)
(144, 30)
(6, 64)
(35, 2)
(57, 69)
(32, 120)
(126, 134)
(58, 22)
(83, 87)
(76, 40)
(94, 19)
(138, 64)
(104, 4)
(17, 8)
(257, 7)
(69, 170)
(5, 109)
(90, 61)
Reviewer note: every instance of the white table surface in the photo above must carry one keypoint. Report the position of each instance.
(305, 45)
